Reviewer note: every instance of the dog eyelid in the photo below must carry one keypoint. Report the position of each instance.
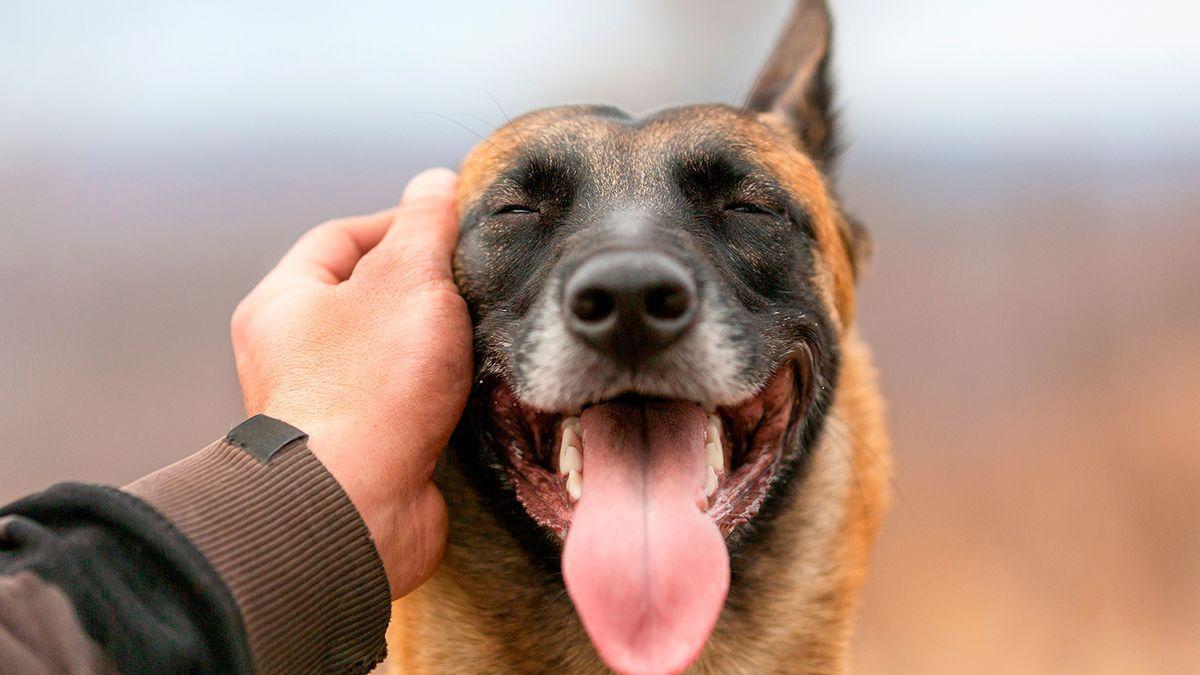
(514, 208)
(750, 207)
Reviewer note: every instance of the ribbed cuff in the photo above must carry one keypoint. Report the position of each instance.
(292, 549)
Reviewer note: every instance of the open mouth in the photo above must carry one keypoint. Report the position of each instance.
(644, 492)
(743, 444)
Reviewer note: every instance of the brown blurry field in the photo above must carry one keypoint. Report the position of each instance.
(1030, 172)
(1036, 331)
(1039, 346)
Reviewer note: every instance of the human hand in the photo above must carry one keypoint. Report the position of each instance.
(359, 338)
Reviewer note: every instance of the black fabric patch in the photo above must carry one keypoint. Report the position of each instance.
(141, 589)
(261, 437)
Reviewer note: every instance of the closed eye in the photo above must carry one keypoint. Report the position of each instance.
(513, 208)
(747, 207)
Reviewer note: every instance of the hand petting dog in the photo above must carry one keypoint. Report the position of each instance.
(360, 338)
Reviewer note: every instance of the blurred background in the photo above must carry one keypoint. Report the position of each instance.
(1030, 171)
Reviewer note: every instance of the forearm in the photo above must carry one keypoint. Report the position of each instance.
(235, 559)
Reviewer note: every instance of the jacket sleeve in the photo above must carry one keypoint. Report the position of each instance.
(246, 556)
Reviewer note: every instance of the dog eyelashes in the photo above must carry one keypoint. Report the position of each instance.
(751, 208)
(747, 208)
(514, 208)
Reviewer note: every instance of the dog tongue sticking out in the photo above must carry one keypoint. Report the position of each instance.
(644, 564)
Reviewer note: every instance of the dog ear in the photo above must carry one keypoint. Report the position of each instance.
(858, 242)
(795, 83)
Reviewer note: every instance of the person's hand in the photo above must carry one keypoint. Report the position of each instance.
(360, 339)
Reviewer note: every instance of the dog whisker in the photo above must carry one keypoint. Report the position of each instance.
(491, 125)
(460, 124)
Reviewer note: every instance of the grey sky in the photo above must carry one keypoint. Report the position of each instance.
(942, 76)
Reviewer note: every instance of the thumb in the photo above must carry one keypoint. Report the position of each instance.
(430, 183)
(427, 213)
(420, 242)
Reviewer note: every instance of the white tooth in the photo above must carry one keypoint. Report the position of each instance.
(713, 430)
(575, 484)
(569, 459)
(571, 432)
(710, 482)
(713, 451)
(569, 456)
(713, 456)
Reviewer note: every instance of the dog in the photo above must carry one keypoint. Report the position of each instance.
(674, 455)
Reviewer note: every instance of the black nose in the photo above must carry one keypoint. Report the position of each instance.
(630, 304)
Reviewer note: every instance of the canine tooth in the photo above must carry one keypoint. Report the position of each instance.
(569, 456)
(569, 459)
(713, 455)
(713, 452)
(575, 484)
(710, 481)
(713, 430)
(570, 435)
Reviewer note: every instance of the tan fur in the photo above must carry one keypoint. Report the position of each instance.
(489, 609)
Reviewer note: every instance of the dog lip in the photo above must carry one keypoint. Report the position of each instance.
(576, 411)
(754, 432)
(635, 397)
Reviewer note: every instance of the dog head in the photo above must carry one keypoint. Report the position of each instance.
(658, 302)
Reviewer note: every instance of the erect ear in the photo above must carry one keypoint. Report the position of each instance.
(795, 82)
(858, 244)
(796, 86)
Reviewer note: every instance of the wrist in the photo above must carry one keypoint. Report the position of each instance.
(394, 496)
(270, 519)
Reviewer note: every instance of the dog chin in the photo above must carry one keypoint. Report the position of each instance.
(545, 452)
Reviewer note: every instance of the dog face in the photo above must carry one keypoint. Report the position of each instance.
(658, 303)
(693, 254)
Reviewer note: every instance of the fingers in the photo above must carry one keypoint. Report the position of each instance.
(328, 252)
(416, 238)
(421, 240)
(435, 182)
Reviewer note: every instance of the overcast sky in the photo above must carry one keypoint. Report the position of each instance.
(937, 75)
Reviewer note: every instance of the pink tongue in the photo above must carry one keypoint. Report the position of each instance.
(646, 568)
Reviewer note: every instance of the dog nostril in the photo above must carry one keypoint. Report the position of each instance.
(667, 301)
(629, 304)
(592, 305)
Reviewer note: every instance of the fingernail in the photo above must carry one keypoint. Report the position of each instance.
(439, 182)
